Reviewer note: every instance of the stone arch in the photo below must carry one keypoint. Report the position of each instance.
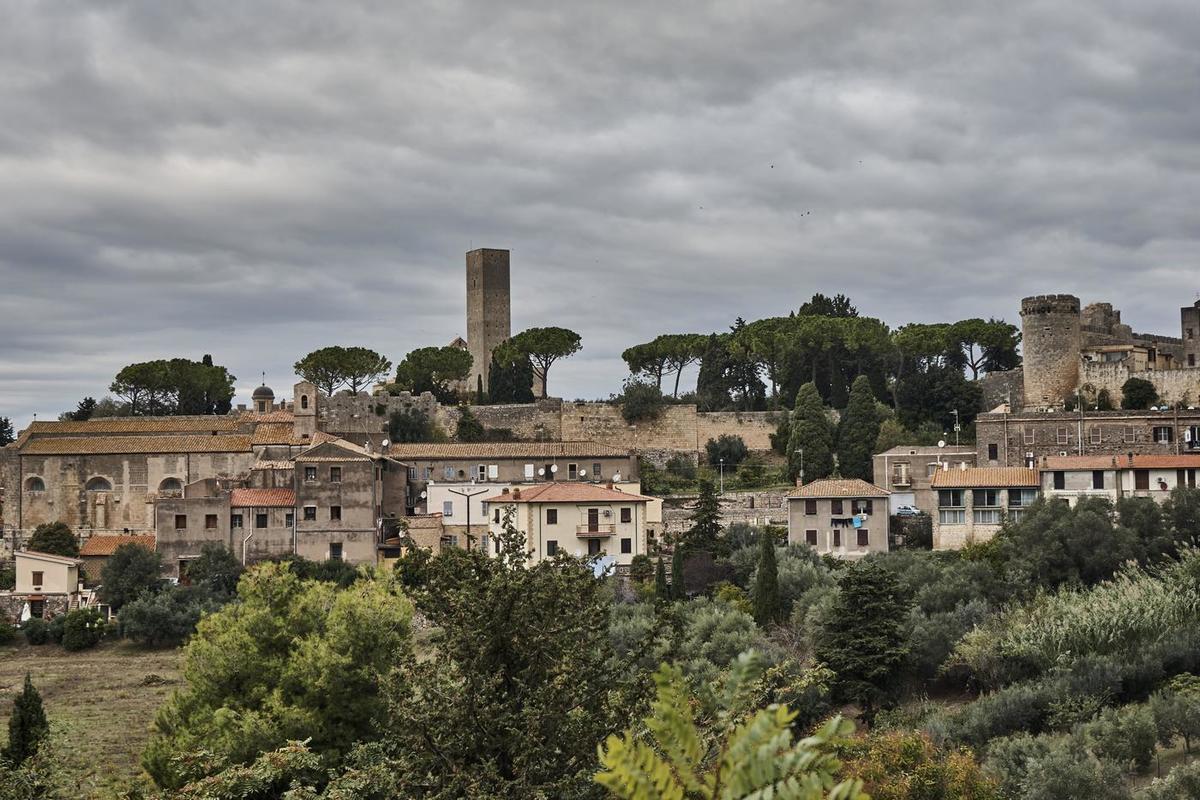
(98, 484)
(35, 484)
(170, 485)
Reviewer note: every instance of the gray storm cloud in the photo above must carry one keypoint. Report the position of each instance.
(255, 180)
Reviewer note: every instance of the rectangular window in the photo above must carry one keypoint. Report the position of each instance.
(529, 472)
(235, 520)
(310, 513)
(1141, 480)
(931, 469)
(38, 578)
(836, 507)
(481, 472)
(310, 473)
(1191, 359)
(551, 547)
(987, 516)
(596, 471)
(428, 473)
(1028, 434)
(626, 515)
(1064, 434)
(260, 520)
(1097, 479)
(335, 513)
(210, 521)
(1060, 480)
(627, 545)
(573, 471)
(180, 522)
(1164, 434)
(447, 508)
(551, 516)
(837, 537)
(448, 472)
(289, 519)
(993, 452)
(497, 515)
(810, 538)
(335, 474)
(335, 551)
(493, 471)
(985, 498)
(862, 506)
(1130, 434)
(412, 473)
(593, 547)
(810, 507)
(1021, 498)
(950, 498)
(952, 516)
(864, 537)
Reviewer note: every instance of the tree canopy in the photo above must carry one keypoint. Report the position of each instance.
(172, 387)
(436, 370)
(510, 376)
(335, 367)
(54, 538)
(544, 346)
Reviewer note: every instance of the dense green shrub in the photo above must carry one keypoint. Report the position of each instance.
(36, 631)
(167, 618)
(1125, 736)
(56, 628)
(129, 571)
(728, 448)
(1053, 768)
(8, 633)
(1182, 783)
(83, 628)
(641, 401)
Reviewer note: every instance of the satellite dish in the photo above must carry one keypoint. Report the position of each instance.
(553, 468)
(583, 473)
(941, 442)
(424, 495)
(617, 476)
(384, 443)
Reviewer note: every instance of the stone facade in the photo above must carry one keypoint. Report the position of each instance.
(488, 310)
(1051, 340)
(907, 471)
(766, 507)
(1023, 439)
(1189, 319)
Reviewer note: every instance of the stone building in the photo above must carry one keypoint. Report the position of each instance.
(842, 517)
(974, 502)
(908, 472)
(1025, 438)
(1069, 351)
(579, 519)
(99, 548)
(46, 585)
(488, 310)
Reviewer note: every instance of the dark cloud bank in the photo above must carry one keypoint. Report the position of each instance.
(258, 179)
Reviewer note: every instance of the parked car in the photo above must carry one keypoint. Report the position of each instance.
(908, 511)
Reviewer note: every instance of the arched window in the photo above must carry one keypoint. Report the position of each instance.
(170, 485)
(304, 401)
(98, 484)
(35, 484)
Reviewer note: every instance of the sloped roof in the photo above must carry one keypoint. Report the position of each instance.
(570, 492)
(50, 557)
(262, 498)
(481, 450)
(193, 443)
(105, 545)
(838, 487)
(1067, 463)
(181, 424)
(984, 477)
(274, 433)
(274, 464)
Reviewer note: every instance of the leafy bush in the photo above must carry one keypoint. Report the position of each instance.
(712, 634)
(8, 633)
(8, 576)
(1125, 736)
(410, 425)
(82, 629)
(905, 765)
(1053, 768)
(129, 571)
(55, 538)
(217, 569)
(56, 628)
(641, 400)
(1138, 394)
(37, 631)
(681, 466)
(727, 447)
(167, 618)
(1182, 783)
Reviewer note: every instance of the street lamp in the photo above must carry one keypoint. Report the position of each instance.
(722, 467)
(957, 427)
(800, 450)
(468, 496)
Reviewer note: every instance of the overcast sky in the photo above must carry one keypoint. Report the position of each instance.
(258, 179)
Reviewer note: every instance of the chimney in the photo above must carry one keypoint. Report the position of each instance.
(608, 485)
(516, 494)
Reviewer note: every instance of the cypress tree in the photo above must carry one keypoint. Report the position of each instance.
(677, 592)
(812, 432)
(662, 591)
(767, 605)
(858, 432)
(27, 727)
(705, 531)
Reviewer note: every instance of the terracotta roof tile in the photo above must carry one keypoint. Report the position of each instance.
(273, 433)
(566, 493)
(262, 498)
(532, 450)
(277, 415)
(227, 443)
(142, 425)
(105, 545)
(1051, 463)
(839, 487)
(984, 477)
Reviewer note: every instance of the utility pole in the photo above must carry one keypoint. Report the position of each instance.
(800, 450)
(722, 464)
(468, 496)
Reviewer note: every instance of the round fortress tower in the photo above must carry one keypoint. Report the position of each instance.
(1050, 342)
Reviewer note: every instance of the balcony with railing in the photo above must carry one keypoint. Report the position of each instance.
(595, 530)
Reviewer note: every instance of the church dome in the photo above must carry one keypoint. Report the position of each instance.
(263, 393)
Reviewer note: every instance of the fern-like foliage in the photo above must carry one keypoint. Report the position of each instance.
(743, 755)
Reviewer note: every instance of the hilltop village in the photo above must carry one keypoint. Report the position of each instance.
(975, 539)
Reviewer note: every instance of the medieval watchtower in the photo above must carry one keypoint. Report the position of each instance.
(488, 310)
(1051, 339)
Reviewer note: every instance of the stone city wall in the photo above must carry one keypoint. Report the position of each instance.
(1173, 385)
(764, 507)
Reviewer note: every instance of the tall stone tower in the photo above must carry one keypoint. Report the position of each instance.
(1051, 339)
(488, 310)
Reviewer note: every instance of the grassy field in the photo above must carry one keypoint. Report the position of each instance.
(101, 702)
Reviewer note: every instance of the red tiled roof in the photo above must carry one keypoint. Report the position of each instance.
(262, 498)
(105, 545)
(193, 443)
(566, 493)
(839, 487)
(984, 477)
(1068, 463)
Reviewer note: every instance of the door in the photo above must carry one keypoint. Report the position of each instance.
(593, 520)
(1141, 480)
(593, 547)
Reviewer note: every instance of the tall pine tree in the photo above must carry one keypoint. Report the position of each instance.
(677, 591)
(712, 384)
(812, 432)
(27, 727)
(662, 592)
(858, 432)
(705, 531)
(768, 607)
(863, 640)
